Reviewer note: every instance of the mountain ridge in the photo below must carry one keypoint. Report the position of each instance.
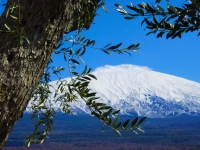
(140, 90)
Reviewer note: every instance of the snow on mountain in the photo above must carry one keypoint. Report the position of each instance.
(135, 89)
(149, 93)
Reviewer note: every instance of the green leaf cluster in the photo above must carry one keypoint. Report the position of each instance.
(108, 116)
(15, 26)
(174, 21)
(73, 90)
(76, 88)
(43, 126)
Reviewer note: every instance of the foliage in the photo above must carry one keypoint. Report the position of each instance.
(75, 89)
(174, 21)
(17, 30)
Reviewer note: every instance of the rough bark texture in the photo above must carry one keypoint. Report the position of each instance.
(21, 67)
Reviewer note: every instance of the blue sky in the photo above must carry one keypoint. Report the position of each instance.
(179, 57)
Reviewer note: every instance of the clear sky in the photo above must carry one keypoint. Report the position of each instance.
(179, 57)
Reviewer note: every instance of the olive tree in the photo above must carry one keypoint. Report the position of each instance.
(30, 32)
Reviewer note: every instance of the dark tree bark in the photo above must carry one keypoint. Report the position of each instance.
(21, 66)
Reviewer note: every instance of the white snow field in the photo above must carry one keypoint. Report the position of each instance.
(135, 89)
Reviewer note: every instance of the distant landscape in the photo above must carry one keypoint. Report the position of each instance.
(137, 90)
(84, 132)
(174, 101)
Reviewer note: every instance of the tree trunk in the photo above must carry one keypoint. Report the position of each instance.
(21, 64)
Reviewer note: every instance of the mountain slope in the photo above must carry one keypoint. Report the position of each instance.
(136, 89)
(147, 92)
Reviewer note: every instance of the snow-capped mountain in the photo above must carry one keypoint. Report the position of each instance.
(148, 93)
(136, 89)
